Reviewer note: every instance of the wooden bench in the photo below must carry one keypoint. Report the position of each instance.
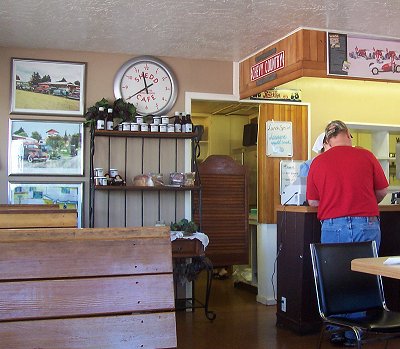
(90, 288)
(28, 206)
(37, 216)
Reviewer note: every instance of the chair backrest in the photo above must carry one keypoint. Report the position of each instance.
(339, 289)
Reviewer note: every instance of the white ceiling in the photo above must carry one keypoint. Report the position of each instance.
(205, 29)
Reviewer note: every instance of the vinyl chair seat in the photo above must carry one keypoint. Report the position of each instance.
(380, 320)
(341, 292)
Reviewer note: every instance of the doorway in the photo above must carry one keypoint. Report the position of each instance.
(223, 122)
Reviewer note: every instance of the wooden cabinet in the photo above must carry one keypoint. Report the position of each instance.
(295, 283)
(298, 226)
(134, 153)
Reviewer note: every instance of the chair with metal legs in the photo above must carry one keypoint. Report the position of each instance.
(342, 291)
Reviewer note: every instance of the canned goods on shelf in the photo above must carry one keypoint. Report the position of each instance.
(98, 172)
(134, 126)
(113, 172)
(100, 180)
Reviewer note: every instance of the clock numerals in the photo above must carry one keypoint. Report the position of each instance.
(148, 83)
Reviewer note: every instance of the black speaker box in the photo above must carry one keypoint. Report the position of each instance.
(250, 134)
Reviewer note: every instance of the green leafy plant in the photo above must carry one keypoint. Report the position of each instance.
(124, 110)
(92, 113)
(188, 227)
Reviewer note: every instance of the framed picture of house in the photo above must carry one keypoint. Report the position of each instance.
(67, 195)
(42, 147)
(47, 87)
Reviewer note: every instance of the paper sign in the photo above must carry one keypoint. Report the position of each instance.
(279, 139)
(289, 171)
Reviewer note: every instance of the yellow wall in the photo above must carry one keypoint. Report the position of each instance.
(348, 100)
(352, 101)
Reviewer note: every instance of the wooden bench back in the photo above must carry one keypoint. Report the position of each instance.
(109, 288)
(28, 206)
(37, 216)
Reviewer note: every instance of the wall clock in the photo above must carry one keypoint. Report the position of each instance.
(148, 83)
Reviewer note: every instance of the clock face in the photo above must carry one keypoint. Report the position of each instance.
(147, 83)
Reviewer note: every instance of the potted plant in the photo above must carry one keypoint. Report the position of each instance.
(92, 114)
(184, 225)
(122, 111)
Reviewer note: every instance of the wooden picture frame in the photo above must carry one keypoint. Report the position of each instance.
(46, 147)
(67, 195)
(47, 87)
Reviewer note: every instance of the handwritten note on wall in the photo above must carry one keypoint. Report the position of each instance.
(289, 172)
(279, 139)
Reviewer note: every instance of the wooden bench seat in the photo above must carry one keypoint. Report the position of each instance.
(108, 288)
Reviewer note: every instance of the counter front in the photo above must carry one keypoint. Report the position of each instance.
(298, 226)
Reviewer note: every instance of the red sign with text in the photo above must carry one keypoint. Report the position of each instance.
(267, 66)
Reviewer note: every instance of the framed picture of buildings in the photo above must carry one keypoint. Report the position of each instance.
(67, 195)
(42, 147)
(47, 87)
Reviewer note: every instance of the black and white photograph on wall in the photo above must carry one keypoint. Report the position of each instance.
(66, 195)
(47, 87)
(42, 147)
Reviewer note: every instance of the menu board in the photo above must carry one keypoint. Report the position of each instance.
(337, 54)
(279, 138)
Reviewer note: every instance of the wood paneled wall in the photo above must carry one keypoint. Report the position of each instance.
(305, 55)
(268, 167)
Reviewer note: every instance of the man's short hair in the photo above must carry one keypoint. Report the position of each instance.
(334, 128)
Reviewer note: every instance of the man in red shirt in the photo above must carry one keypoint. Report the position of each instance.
(346, 183)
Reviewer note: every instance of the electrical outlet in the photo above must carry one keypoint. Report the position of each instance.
(283, 304)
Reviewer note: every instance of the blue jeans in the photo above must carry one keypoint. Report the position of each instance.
(351, 229)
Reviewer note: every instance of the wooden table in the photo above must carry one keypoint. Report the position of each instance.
(375, 266)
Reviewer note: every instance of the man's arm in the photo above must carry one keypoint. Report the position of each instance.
(313, 203)
(379, 193)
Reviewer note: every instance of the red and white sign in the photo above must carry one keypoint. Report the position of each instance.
(267, 66)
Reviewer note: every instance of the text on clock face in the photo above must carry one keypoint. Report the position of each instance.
(146, 98)
(146, 76)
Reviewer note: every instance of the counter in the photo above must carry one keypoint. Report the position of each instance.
(297, 227)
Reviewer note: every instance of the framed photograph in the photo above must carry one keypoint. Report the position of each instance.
(47, 87)
(67, 195)
(40, 147)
